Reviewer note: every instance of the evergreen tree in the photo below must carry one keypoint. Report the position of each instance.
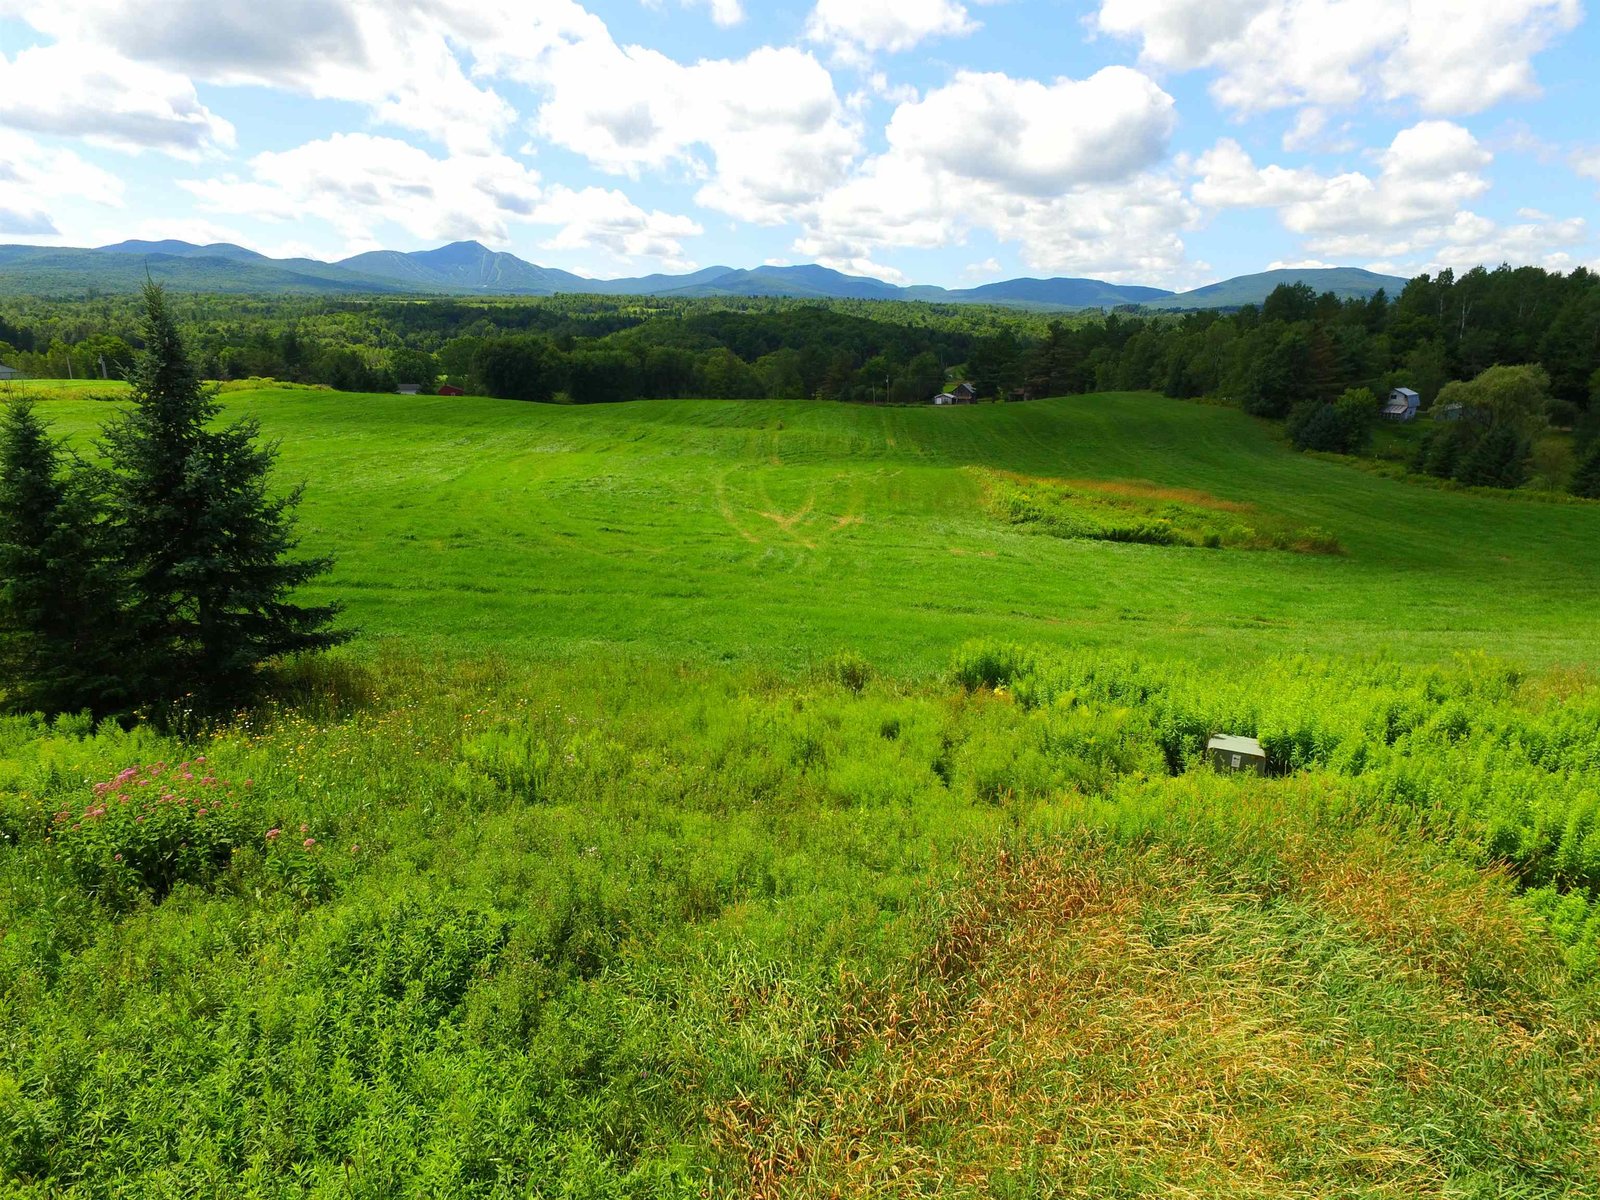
(62, 634)
(1499, 459)
(206, 546)
(1586, 479)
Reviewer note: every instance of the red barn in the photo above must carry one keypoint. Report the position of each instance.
(450, 389)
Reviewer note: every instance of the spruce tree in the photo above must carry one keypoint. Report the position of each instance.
(1499, 459)
(207, 546)
(63, 637)
(1586, 479)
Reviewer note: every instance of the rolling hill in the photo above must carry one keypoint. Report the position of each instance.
(731, 799)
(469, 268)
(1344, 282)
(51, 271)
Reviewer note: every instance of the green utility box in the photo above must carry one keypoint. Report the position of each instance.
(1229, 753)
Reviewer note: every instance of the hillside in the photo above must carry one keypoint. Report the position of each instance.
(811, 800)
(1344, 282)
(468, 268)
(44, 271)
(804, 526)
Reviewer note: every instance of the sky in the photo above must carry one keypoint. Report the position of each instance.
(953, 142)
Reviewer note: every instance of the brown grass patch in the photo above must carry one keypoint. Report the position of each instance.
(1142, 512)
(1094, 1027)
(1140, 489)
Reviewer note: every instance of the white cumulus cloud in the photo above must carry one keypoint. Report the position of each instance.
(111, 101)
(1412, 210)
(34, 177)
(1587, 163)
(766, 134)
(605, 219)
(1035, 138)
(1071, 171)
(1448, 56)
(360, 183)
(403, 61)
(857, 29)
(1427, 173)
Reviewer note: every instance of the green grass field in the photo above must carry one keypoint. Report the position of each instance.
(778, 799)
(782, 532)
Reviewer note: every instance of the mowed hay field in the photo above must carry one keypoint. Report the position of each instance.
(766, 800)
(781, 532)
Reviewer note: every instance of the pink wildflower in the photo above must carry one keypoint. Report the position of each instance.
(116, 858)
(274, 834)
(304, 828)
(309, 842)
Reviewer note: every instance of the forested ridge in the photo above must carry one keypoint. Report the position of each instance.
(1298, 353)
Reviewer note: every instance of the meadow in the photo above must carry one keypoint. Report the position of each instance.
(781, 532)
(740, 799)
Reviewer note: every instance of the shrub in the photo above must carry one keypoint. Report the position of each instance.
(150, 828)
(849, 670)
(517, 760)
(1343, 427)
(986, 664)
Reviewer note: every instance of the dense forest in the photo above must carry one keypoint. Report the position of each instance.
(1316, 361)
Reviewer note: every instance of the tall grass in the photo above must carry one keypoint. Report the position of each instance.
(612, 927)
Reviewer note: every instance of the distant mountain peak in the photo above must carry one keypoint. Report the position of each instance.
(181, 249)
(1344, 282)
(470, 268)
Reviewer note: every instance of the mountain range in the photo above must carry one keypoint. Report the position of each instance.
(471, 269)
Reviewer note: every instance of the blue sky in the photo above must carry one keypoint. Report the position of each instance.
(1168, 142)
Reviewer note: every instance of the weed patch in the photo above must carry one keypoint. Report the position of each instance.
(1143, 513)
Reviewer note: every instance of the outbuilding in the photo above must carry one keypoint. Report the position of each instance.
(450, 389)
(962, 393)
(7, 374)
(1230, 753)
(1402, 405)
(408, 389)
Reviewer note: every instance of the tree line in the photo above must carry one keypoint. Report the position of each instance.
(1316, 362)
(1503, 355)
(584, 349)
